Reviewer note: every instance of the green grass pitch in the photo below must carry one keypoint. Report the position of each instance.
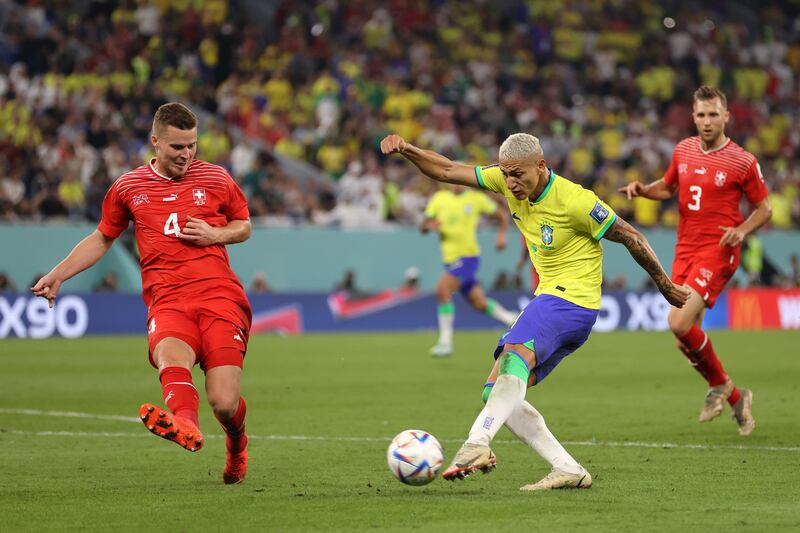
(322, 409)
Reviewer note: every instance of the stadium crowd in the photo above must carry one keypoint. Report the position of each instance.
(606, 86)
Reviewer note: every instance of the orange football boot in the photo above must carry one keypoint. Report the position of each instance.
(235, 464)
(168, 426)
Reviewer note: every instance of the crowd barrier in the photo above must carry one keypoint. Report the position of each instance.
(78, 315)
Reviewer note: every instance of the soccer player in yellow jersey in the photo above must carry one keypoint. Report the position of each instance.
(455, 212)
(562, 223)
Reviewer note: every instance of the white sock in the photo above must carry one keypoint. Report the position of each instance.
(507, 394)
(500, 313)
(528, 425)
(446, 327)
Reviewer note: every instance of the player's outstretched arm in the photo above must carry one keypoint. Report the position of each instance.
(637, 245)
(433, 165)
(658, 190)
(85, 254)
(200, 233)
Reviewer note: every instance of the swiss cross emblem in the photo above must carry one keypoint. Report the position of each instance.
(719, 178)
(199, 196)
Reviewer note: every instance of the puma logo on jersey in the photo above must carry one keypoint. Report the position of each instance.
(171, 198)
(701, 170)
(152, 328)
(238, 337)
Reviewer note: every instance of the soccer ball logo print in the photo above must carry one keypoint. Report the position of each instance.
(415, 457)
(719, 178)
(199, 196)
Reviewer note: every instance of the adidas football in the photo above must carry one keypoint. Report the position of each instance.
(415, 457)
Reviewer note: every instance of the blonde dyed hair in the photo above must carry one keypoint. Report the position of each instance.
(520, 146)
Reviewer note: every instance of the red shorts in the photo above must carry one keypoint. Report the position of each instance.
(217, 329)
(706, 273)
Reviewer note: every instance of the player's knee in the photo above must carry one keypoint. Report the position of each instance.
(224, 410)
(678, 324)
(224, 404)
(173, 352)
(442, 294)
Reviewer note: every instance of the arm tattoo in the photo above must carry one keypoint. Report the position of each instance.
(637, 245)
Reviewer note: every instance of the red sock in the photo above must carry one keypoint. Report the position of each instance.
(696, 346)
(235, 438)
(734, 397)
(179, 392)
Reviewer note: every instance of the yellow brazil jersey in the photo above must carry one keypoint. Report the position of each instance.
(458, 216)
(562, 229)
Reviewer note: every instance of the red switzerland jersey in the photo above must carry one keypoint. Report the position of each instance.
(159, 207)
(710, 188)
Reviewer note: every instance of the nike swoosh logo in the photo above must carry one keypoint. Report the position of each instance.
(515, 217)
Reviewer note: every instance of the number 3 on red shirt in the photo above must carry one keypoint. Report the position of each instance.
(694, 205)
(171, 225)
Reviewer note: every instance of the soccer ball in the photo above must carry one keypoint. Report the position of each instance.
(415, 457)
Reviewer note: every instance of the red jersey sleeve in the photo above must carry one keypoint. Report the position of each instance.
(754, 187)
(116, 215)
(236, 208)
(671, 175)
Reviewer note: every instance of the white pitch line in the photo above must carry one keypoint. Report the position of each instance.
(67, 414)
(307, 438)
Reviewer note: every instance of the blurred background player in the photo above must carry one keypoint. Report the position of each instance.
(563, 224)
(185, 211)
(710, 173)
(454, 212)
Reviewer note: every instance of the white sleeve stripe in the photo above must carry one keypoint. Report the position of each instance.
(183, 383)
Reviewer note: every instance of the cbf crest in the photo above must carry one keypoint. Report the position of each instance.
(547, 234)
(199, 196)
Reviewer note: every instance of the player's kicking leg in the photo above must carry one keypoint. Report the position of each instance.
(179, 423)
(555, 328)
(507, 392)
(222, 389)
(695, 344)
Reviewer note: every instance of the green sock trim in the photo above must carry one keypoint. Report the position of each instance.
(487, 390)
(490, 305)
(529, 345)
(446, 309)
(512, 363)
